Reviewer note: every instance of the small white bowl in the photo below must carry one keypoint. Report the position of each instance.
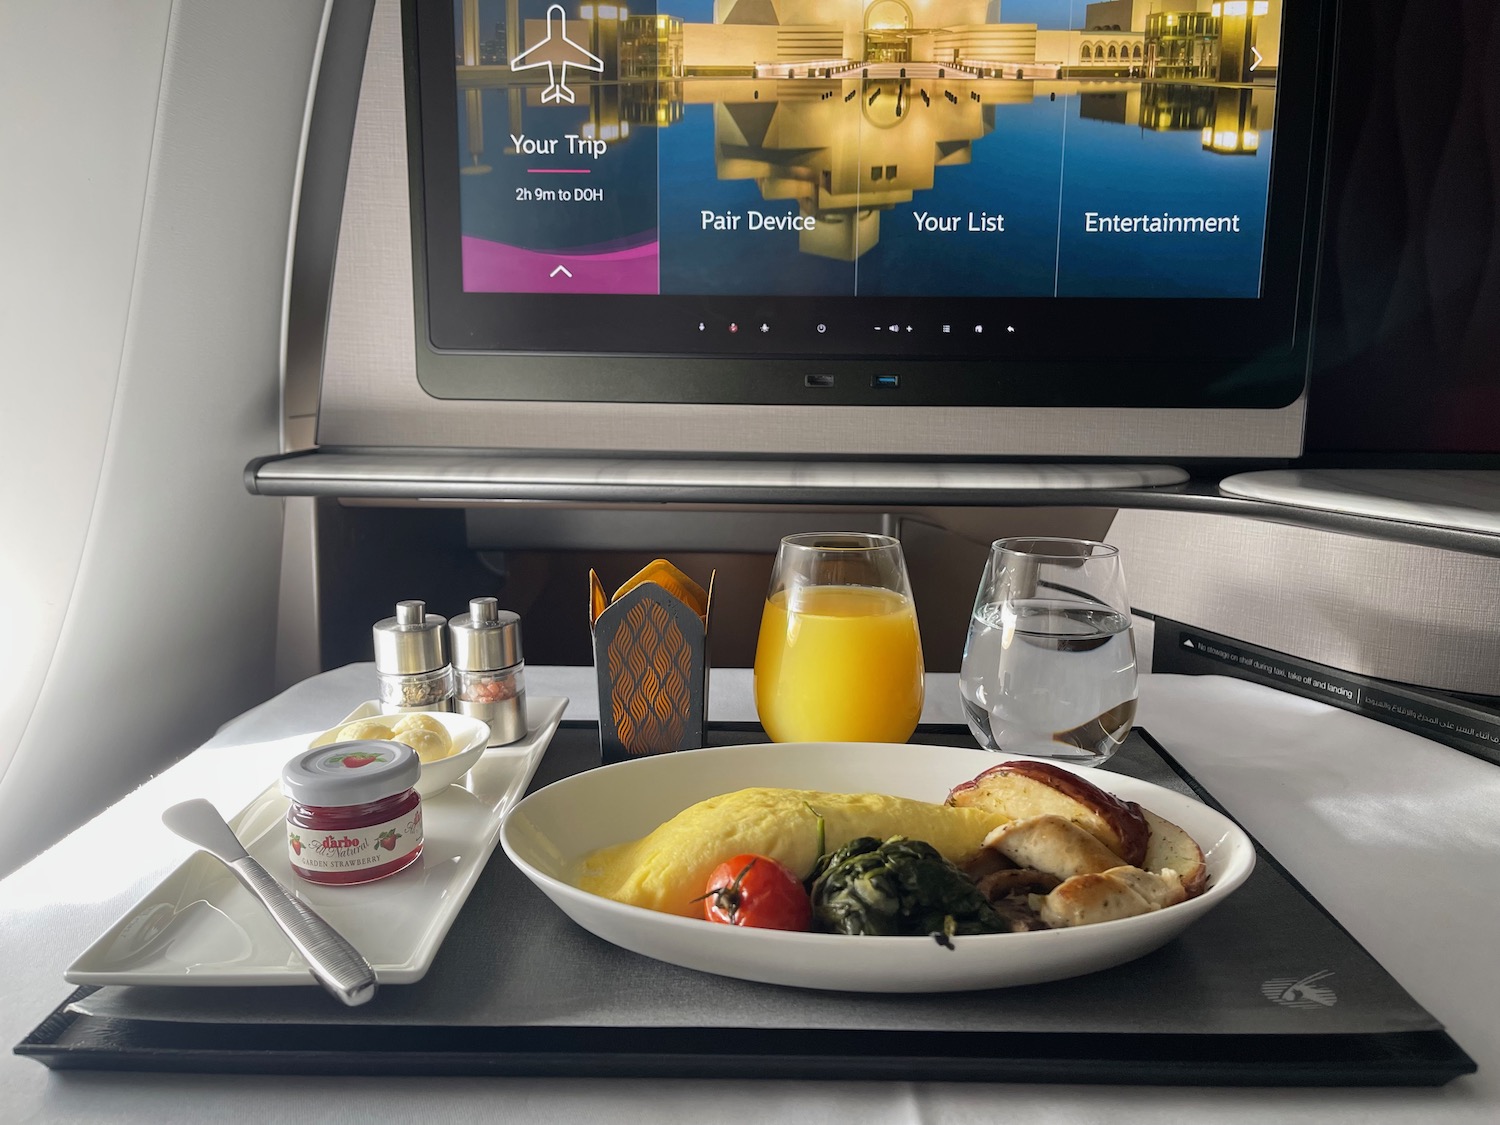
(469, 737)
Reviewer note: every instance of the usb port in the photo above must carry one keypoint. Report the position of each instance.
(886, 381)
(819, 381)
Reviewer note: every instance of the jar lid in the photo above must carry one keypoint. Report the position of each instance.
(485, 638)
(412, 641)
(350, 773)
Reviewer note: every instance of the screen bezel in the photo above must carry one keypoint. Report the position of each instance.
(1247, 353)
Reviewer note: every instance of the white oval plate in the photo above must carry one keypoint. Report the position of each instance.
(469, 737)
(549, 832)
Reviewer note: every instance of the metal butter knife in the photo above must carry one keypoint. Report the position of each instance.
(339, 967)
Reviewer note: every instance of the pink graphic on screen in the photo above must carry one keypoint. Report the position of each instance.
(495, 267)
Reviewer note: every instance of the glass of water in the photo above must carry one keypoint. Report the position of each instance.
(1049, 664)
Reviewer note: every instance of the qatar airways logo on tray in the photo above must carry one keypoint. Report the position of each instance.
(1301, 992)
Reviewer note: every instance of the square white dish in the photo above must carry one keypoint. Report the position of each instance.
(199, 927)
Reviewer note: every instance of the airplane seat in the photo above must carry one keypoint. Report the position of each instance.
(151, 152)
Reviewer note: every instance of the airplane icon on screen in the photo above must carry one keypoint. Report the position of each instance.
(557, 50)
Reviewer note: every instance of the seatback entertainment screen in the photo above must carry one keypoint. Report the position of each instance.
(1086, 189)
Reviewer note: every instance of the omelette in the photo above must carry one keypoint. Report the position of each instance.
(667, 870)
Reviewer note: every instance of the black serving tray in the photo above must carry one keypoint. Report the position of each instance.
(518, 989)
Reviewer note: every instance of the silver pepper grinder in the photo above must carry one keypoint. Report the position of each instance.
(412, 661)
(488, 669)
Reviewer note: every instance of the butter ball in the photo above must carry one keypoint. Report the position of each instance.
(362, 730)
(419, 720)
(430, 745)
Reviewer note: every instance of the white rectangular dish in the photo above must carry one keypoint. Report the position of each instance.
(200, 927)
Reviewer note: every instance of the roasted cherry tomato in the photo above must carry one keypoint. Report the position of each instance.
(755, 890)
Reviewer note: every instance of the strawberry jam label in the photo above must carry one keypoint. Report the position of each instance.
(355, 849)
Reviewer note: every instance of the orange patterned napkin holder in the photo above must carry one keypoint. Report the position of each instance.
(651, 658)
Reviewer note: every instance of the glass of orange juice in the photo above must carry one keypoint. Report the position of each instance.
(839, 658)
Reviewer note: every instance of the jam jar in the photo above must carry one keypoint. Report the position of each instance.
(354, 816)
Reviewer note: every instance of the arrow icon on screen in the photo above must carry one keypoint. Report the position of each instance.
(561, 270)
(1258, 58)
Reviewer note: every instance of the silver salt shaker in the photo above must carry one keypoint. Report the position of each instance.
(412, 661)
(488, 669)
